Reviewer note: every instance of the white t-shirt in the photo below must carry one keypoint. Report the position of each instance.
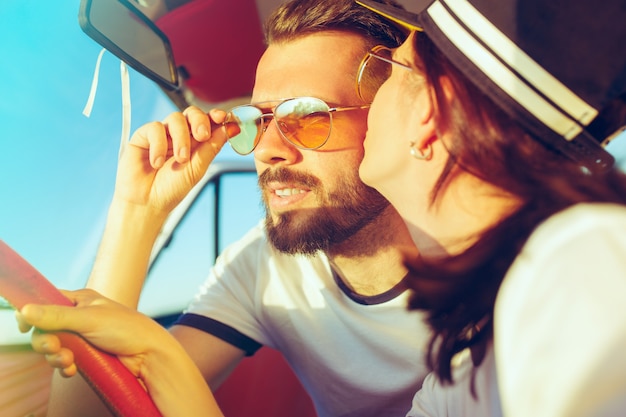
(456, 400)
(356, 356)
(560, 318)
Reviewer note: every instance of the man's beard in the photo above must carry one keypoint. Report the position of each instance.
(341, 214)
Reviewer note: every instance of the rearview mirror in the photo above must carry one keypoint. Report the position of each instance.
(130, 35)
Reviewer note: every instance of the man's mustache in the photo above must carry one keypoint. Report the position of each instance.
(288, 176)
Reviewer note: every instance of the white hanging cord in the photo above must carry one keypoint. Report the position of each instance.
(94, 86)
(126, 107)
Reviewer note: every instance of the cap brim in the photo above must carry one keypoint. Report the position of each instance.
(402, 17)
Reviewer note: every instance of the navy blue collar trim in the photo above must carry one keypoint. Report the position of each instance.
(384, 297)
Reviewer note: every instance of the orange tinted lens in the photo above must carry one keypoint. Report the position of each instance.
(373, 73)
(305, 121)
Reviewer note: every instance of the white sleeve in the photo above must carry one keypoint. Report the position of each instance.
(437, 400)
(560, 318)
(426, 399)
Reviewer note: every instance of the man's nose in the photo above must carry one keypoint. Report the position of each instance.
(273, 148)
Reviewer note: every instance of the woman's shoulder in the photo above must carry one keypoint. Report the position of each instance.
(566, 283)
(474, 392)
(585, 233)
(574, 253)
(575, 221)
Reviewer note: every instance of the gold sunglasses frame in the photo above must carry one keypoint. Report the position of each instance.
(261, 106)
(375, 53)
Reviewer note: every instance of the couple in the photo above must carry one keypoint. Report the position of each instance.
(487, 150)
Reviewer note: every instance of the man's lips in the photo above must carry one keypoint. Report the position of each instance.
(286, 192)
(282, 196)
(286, 189)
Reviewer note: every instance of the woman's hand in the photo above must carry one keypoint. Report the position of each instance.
(164, 160)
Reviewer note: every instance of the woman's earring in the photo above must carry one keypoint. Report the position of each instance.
(420, 154)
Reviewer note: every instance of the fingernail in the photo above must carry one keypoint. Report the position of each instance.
(183, 152)
(202, 132)
(32, 312)
(158, 163)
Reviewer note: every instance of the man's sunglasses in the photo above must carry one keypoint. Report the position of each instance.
(305, 122)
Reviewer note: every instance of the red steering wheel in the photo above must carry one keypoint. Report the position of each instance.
(21, 284)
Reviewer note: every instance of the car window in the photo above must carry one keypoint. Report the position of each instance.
(182, 265)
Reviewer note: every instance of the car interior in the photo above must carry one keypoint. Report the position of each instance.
(203, 53)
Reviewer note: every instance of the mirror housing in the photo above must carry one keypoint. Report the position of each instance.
(130, 35)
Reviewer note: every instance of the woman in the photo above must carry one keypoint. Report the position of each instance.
(490, 126)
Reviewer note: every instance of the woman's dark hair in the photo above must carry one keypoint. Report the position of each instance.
(458, 294)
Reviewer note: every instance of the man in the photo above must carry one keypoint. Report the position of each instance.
(322, 281)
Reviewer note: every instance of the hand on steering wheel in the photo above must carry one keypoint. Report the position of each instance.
(146, 349)
(126, 333)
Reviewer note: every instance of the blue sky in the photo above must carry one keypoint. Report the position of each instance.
(57, 165)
